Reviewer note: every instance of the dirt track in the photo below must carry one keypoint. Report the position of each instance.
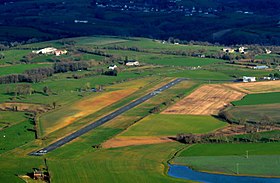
(127, 141)
(206, 100)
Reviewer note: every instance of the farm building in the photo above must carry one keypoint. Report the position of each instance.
(38, 175)
(228, 50)
(50, 51)
(112, 67)
(132, 63)
(242, 50)
(261, 67)
(248, 79)
(267, 51)
(60, 52)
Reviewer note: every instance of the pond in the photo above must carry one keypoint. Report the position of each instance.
(187, 173)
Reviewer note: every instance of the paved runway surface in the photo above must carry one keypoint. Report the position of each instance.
(103, 120)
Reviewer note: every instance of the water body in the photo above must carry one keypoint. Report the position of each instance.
(185, 172)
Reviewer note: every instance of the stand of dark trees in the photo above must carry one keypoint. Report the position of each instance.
(213, 138)
(38, 74)
(30, 76)
(111, 73)
(61, 67)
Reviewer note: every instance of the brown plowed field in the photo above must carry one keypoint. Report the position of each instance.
(133, 141)
(206, 100)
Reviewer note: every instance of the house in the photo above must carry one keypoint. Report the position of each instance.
(228, 50)
(112, 67)
(267, 78)
(267, 51)
(242, 50)
(60, 52)
(48, 50)
(248, 79)
(38, 175)
(81, 21)
(261, 67)
(132, 63)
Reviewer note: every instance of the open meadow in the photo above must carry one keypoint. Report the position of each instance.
(171, 125)
(260, 98)
(263, 159)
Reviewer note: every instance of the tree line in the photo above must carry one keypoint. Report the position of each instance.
(38, 74)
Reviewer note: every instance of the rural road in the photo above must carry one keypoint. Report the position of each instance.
(103, 120)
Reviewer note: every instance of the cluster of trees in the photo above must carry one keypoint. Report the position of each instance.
(111, 73)
(23, 89)
(274, 75)
(70, 66)
(38, 74)
(219, 138)
(31, 76)
(94, 52)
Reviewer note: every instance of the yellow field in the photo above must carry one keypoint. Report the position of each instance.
(256, 87)
(206, 100)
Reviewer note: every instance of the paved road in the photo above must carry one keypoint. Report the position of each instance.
(103, 120)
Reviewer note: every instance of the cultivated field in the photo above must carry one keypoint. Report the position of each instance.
(206, 100)
(256, 87)
(256, 113)
(122, 142)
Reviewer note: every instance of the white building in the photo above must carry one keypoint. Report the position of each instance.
(267, 51)
(248, 79)
(242, 50)
(49, 50)
(132, 63)
(112, 67)
(261, 67)
(228, 50)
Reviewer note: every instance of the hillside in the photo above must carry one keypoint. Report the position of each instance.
(226, 22)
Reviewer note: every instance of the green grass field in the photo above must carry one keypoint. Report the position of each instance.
(267, 56)
(17, 69)
(20, 133)
(260, 98)
(263, 159)
(12, 56)
(130, 164)
(265, 165)
(8, 118)
(256, 113)
(171, 125)
(12, 166)
(179, 60)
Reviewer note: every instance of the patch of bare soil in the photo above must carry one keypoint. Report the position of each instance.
(133, 141)
(17, 106)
